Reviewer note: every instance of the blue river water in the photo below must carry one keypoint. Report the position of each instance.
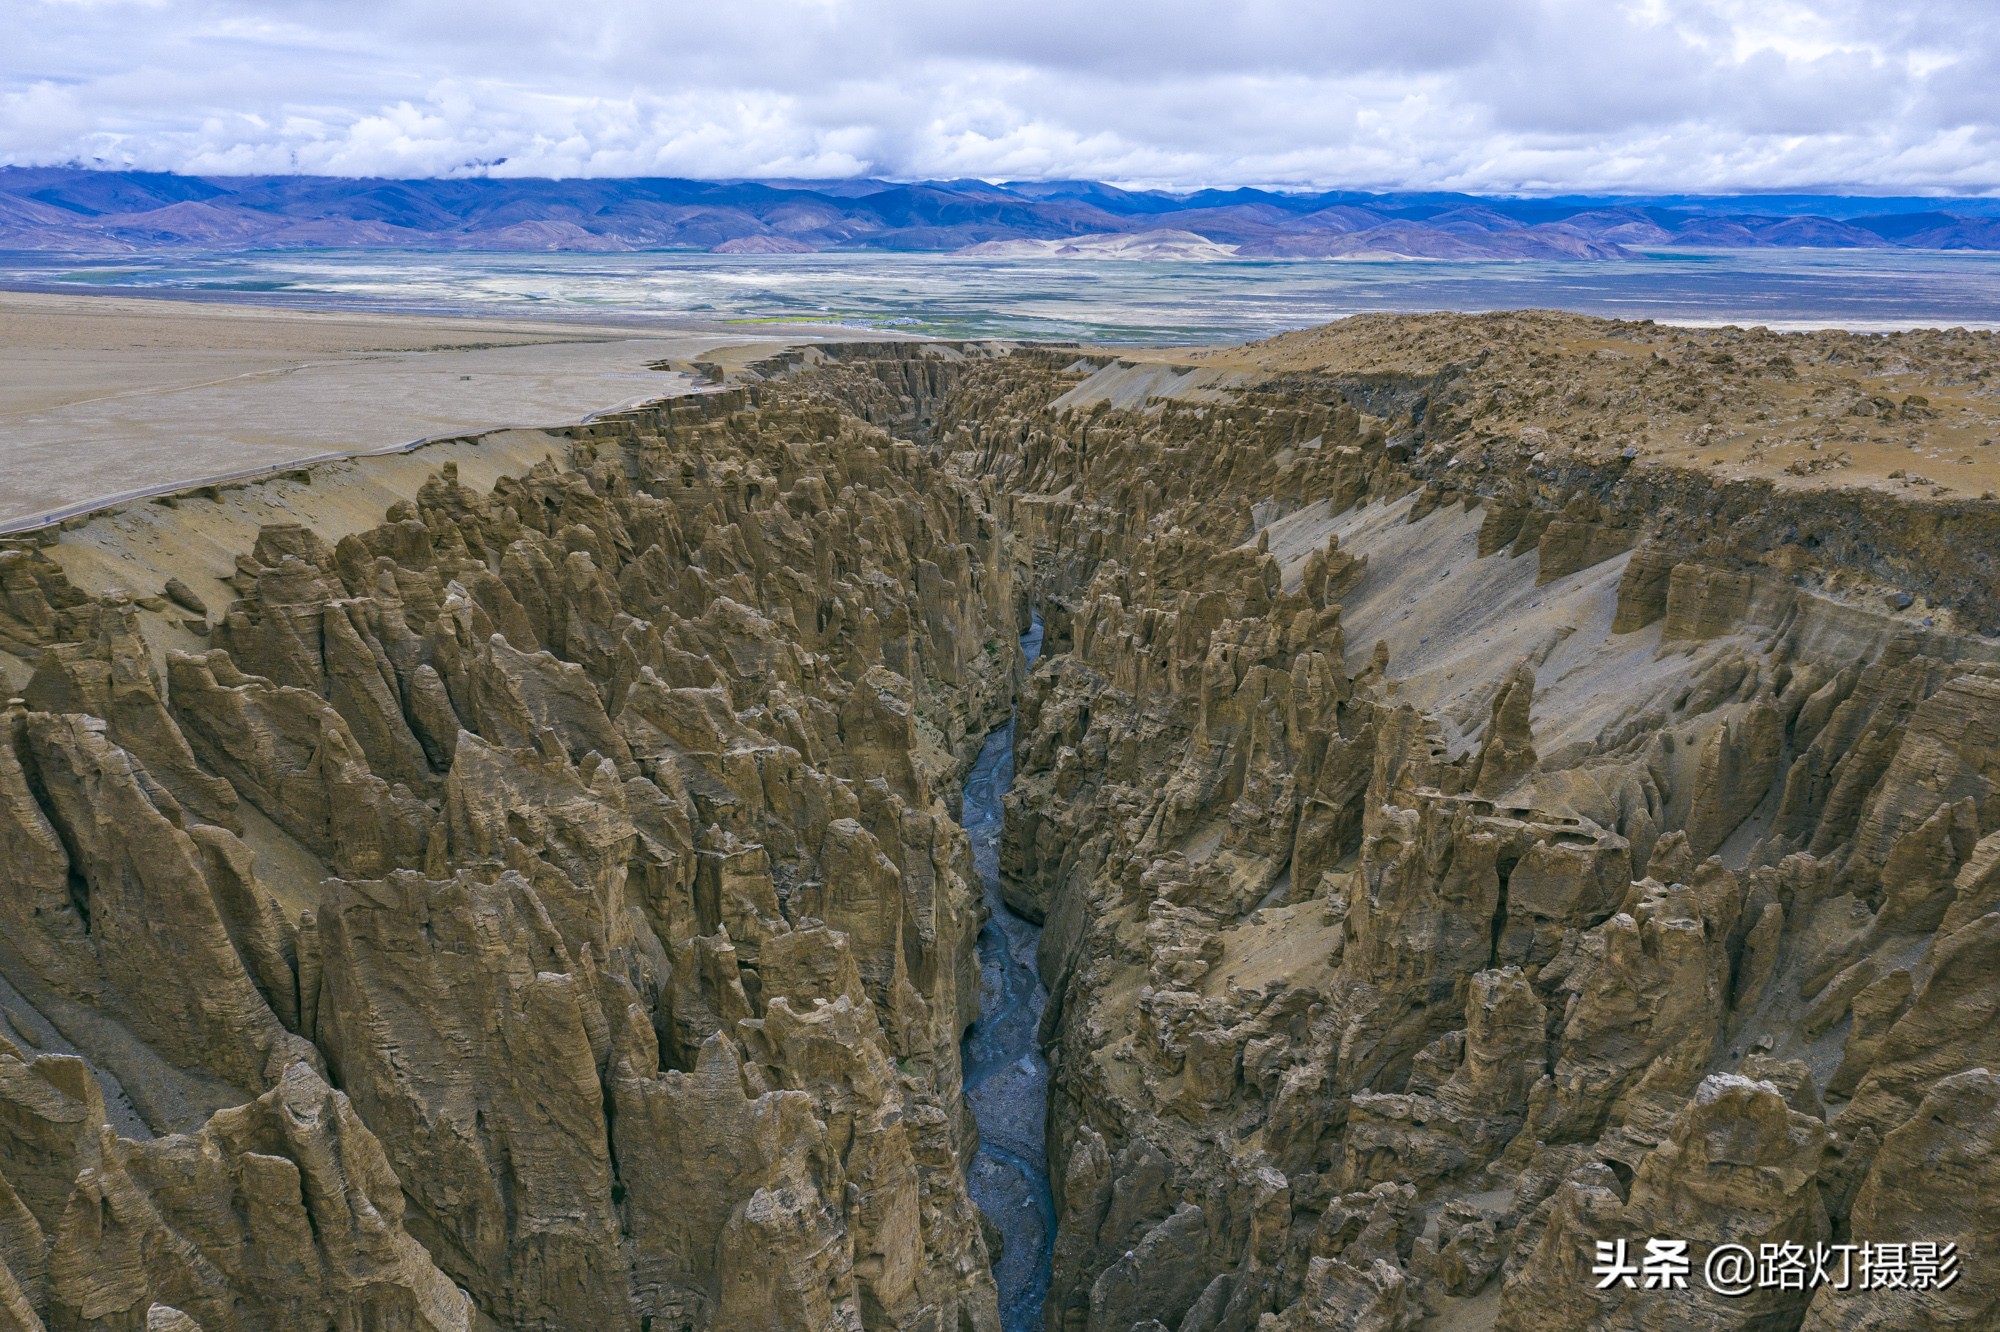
(1085, 299)
(1006, 1078)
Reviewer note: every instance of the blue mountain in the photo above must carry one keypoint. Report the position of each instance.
(67, 209)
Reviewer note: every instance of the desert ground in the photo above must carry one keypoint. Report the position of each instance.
(102, 396)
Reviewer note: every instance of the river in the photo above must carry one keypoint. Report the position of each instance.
(1006, 1078)
(1096, 300)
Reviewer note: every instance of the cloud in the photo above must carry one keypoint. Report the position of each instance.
(1496, 95)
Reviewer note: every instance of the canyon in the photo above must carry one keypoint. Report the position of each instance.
(1382, 811)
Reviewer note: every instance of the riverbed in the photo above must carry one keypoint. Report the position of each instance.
(1006, 1078)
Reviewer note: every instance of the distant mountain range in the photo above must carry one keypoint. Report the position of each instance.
(86, 211)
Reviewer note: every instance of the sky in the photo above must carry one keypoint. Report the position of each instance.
(1502, 96)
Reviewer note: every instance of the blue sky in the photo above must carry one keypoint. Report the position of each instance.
(1484, 95)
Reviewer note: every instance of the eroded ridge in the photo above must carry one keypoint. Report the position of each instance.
(607, 874)
(1459, 848)
(1465, 831)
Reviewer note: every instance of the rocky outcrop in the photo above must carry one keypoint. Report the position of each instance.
(113, 679)
(116, 902)
(271, 1215)
(1456, 848)
(451, 1014)
(1737, 1166)
(39, 605)
(1431, 944)
(591, 835)
(1932, 1177)
(1509, 751)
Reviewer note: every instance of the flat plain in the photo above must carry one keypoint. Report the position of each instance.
(102, 396)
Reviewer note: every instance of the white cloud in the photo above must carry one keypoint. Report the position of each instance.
(1471, 94)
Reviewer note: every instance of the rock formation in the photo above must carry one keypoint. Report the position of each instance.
(1458, 844)
(598, 853)
(1596, 864)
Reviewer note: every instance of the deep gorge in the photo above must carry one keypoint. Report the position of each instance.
(1006, 1077)
(599, 877)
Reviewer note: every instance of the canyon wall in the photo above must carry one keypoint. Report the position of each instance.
(1453, 859)
(538, 908)
(1461, 838)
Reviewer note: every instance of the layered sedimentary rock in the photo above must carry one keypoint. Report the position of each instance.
(1460, 840)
